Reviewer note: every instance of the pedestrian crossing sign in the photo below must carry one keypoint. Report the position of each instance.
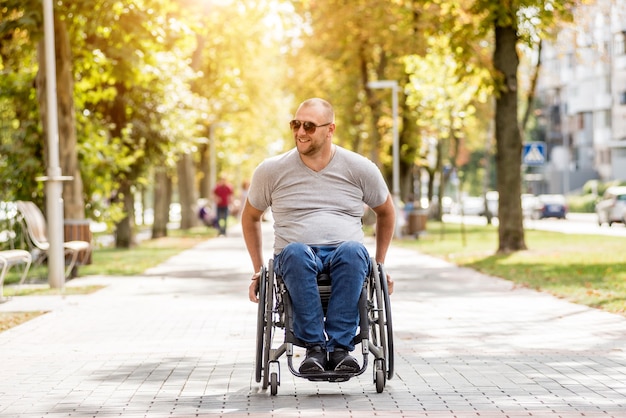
(534, 153)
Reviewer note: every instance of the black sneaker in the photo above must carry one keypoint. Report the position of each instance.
(315, 361)
(341, 361)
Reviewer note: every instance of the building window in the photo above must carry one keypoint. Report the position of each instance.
(622, 98)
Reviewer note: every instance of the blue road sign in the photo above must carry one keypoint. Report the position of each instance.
(534, 153)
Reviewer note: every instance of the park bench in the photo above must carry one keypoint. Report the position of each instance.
(9, 258)
(37, 240)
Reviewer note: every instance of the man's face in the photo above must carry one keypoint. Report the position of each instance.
(309, 144)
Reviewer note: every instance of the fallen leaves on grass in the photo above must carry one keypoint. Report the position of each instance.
(12, 319)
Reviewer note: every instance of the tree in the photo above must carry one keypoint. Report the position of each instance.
(141, 100)
(239, 60)
(511, 23)
(348, 44)
(21, 147)
(25, 22)
(73, 202)
(445, 103)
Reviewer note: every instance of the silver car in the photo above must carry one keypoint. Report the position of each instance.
(612, 207)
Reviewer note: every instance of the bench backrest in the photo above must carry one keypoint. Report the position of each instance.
(35, 224)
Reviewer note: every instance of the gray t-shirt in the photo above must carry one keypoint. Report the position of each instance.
(317, 208)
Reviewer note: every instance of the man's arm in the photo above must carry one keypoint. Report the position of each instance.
(385, 226)
(252, 235)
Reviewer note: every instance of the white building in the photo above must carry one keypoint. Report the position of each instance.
(582, 95)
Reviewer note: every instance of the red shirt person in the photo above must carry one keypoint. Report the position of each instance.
(223, 194)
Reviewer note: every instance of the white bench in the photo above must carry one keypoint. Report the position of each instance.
(10, 258)
(36, 229)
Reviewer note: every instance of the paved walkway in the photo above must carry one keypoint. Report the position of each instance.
(179, 341)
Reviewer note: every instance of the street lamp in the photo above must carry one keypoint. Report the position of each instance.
(395, 190)
(212, 156)
(54, 188)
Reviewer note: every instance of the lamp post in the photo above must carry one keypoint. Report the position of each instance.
(395, 189)
(212, 156)
(53, 178)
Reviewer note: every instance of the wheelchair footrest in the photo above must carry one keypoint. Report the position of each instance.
(329, 376)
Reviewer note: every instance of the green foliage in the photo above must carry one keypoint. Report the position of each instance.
(349, 44)
(584, 203)
(152, 76)
(598, 187)
(132, 65)
(586, 269)
(444, 99)
(21, 144)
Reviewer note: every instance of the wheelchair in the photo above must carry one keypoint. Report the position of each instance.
(374, 333)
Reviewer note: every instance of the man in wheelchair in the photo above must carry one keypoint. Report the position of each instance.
(317, 192)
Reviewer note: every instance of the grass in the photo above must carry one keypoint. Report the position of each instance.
(105, 261)
(111, 261)
(12, 319)
(44, 290)
(584, 269)
(136, 260)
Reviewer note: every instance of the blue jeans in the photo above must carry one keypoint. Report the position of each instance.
(348, 265)
(222, 218)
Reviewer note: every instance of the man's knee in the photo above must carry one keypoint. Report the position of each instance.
(296, 250)
(352, 250)
(296, 257)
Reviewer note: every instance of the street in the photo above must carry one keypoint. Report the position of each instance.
(576, 223)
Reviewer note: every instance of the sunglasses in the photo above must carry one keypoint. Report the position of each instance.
(309, 127)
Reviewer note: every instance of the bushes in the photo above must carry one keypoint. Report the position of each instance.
(582, 203)
(592, 191)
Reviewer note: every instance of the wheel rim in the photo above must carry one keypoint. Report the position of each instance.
(269, 323)
(388, 322)
(377, 319)
(260, 330)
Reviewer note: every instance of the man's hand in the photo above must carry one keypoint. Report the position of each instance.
(389, 284)
(253, 290)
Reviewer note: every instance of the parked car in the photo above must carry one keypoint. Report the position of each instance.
(612, 207)
(529, 202)
(550, 206)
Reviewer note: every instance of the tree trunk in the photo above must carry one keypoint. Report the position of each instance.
(442, 181)
(205, 170)
(410, 143)
(508, 143)
(124, 231)
(186, 192)
(162, 200)
(73, 202)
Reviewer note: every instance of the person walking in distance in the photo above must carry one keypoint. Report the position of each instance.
(317, 192)
(223, 193)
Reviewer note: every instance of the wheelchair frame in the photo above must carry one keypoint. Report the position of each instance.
(375, 332)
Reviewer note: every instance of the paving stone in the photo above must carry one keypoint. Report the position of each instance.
(179, 341)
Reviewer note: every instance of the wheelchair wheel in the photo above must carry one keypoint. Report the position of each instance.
(260, 325)
(269, 321)
(379, 375)
(274, 383)
(381, 332)
(388, 322)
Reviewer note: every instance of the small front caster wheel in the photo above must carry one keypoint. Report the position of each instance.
(274, 383)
